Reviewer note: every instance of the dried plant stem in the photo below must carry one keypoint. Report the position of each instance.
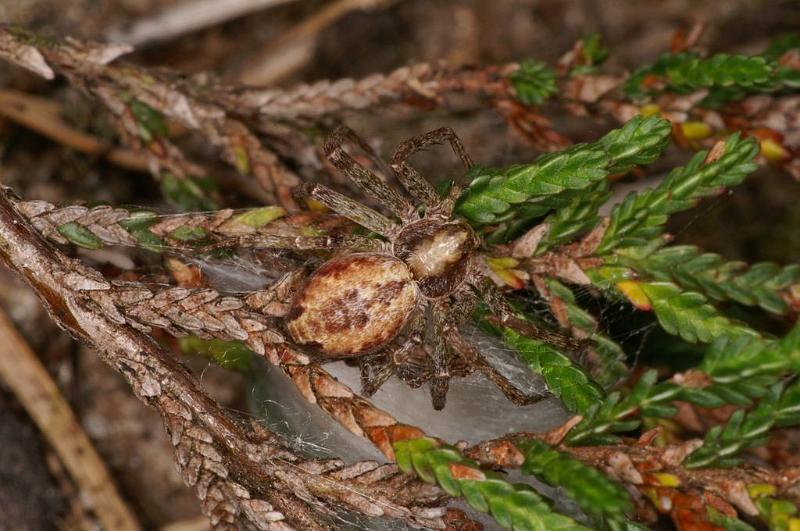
(646, 467)
(86, 65)
(30, 382)
(207, 313)
(243, 474)
(419, 82)
(106, 223)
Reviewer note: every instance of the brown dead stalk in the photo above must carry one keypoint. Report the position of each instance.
(244, 475)
(126, 89)
(651, 469)
(30, 382)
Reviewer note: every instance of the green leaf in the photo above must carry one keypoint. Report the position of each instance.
(613, 414)
(639, 141)
(186, 193)
(688, 314)
(764, 284)
(138, 225)
(576, 218)
(781, 45)
(79, 235)
(534, 82)
(727, 77)
(563, 378)
(185, 233)
(260, 217)
(513, 506)
(151, 122)
(529, 191)
(747, 430)
(600, 497)
(779, 515)
(640, 217)
(727, 522)
(593, 54)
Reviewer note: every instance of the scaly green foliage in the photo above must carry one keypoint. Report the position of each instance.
(780, 407)
(530, 191)
(762, 284)
(735, 358)
(613, 414)
(576, 217)
(688, 314)
(622, 411)
(564, 378)
(727, 77)
(641, 216)
(534, 82)
(513, 506)
(779, 515)
(600, 497)
(79, 235)
(592, 54)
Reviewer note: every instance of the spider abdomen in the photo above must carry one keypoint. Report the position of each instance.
(353, 304)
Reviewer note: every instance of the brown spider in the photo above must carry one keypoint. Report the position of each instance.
(394, 304)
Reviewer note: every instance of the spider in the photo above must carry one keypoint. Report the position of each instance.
(394, 303)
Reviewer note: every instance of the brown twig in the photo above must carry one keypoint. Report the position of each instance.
(644, 467)
(87, 65)
(106, 223)
(251, 318)
(30, 382)
(241, 472)
(421, 83)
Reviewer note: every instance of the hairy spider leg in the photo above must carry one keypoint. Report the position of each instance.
(418, 187)
(440, 355)
(504, 315)
(373, 185)
(477, 362)
(464, 302)
(352, 210)
(352, 242)
(377, 368)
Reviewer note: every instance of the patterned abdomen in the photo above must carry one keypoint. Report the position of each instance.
(353, 305)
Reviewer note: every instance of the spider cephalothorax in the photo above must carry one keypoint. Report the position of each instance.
(394, 303)
(437, 252)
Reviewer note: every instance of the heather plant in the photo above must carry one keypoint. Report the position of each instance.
(547, 231)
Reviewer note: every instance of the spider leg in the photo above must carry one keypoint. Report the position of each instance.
(377, 368)
(504, 315)
(440, 356)
(352, 210)
(412, 181)
(298, 243)
(365, 179)
(464, 303)
(477, 362)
